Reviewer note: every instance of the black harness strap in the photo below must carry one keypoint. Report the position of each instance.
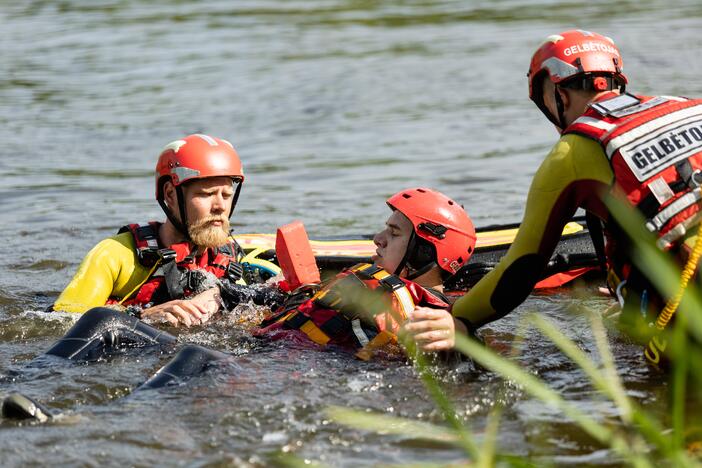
(594, 226)
(649, 206)
(684, 170)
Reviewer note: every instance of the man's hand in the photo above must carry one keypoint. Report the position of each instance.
(433, 329)
(194, 311)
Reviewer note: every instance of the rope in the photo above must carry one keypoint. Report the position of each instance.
(687, 273)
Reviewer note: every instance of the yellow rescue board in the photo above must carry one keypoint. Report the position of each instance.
(366, 248)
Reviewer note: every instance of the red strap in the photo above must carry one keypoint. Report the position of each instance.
(559, 279)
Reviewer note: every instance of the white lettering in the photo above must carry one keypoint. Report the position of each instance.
(654, 151)
(590, 47)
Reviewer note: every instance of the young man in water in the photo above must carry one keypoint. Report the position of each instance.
(644, 150)
(168, 271)
(427, 238)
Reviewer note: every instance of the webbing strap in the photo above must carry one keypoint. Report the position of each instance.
(657, 222)
(338, 324)
(314, 333)
(380, 340)
(678, 231)
(394, 285)
(367, 270)
(298, 321)
(649, 205)
(358, 331)
(148, 233)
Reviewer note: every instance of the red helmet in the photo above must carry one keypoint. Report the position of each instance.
(581, 58)
(196, 157)
(441, 222)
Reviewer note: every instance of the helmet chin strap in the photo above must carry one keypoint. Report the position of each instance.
(181, 226)
(412, 273)
(557, 120)
(406, 261)
(561, 109)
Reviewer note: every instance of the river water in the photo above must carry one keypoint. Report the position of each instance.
(333, 105)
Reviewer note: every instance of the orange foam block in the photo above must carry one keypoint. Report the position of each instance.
(295, 256)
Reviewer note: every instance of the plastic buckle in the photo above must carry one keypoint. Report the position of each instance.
(366, 272)
(148, 256)
(234, 271)
(392, 282)
(193, 278)
(436, 230)
(167, 255)
(696, 178)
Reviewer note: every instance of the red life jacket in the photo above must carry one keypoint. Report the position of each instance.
(175, 274)
(348, 313)
(654, 146)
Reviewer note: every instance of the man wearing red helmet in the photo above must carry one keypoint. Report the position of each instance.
(647, 150)
(427, 238)
(169, 271)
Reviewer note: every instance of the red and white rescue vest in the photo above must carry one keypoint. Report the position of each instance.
(654, 146)
(220, 262)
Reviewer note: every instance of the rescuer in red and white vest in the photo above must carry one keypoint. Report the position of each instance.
(647, 150)
(170, 270)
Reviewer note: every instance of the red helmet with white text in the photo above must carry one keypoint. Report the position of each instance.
(445, 231)
(195, 157)
(575, 59)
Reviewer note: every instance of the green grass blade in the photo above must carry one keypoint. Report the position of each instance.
(488, 452)
(596, 376)
(538, 389)
(386, 424)
(679, 381)
(608, 381)
(440, 398)
(616, 389)
(659, 267)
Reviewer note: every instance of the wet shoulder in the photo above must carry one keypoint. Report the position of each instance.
(588, 159)
(122, 243)
(117, 252)
(572, 158)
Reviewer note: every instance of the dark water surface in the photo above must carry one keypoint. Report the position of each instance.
(333, 106)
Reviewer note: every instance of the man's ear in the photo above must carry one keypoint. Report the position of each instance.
(169, 195)
(565, 96)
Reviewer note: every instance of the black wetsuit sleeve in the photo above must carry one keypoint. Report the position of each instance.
(573, 175)
(260, 294)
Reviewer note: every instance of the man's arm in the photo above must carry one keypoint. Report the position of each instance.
(111, 269)
(558, 188)
(573, 175)
(106, 271)
(196, 310)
